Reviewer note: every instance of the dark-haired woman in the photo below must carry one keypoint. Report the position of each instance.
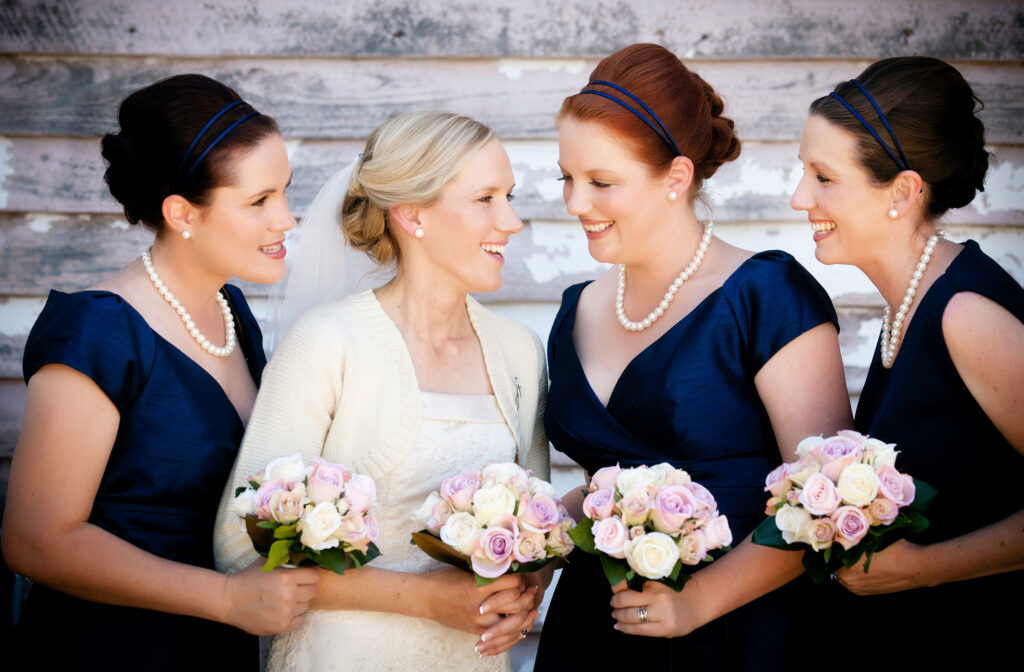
(138, 393)
(885, 156)
(736, 360)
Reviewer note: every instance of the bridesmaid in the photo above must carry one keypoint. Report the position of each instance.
(736, 360)
(136, 406)
(885, 156)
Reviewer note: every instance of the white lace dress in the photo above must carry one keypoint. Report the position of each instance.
(458, 432)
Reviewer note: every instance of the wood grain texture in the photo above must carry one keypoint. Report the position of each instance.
(981, 29)
(348, 98)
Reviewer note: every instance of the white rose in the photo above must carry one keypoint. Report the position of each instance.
(245, 503)
(491, 502)
(542, 487)
(692, 548)
(858, 484)
(503, 473)
(460, 532)
(317, 526)
(668, 475)
(793, 521)
(884, 453)
(288, 469)
(717, 533)
(652, 555)
(635, 479)
(804, 448)
(422, 515)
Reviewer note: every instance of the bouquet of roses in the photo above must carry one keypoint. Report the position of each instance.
(318, 514)
(647, 522)
(842, 499)
(496, 520)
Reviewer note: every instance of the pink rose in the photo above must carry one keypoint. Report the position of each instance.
(559, 541)
(774, 480)
(633, 507)
(538, 513)
(609, 536)
(705, 500)
(717, 533)
(820, 533)
(264, 498)
(692, 548)
(856, 437)
(354, 531)
(894, 486)
(637, 531)
(672, 506)
(819, 495)
(599, 504)
(604, 478)
(882, 511)
(327, 481)
(851, 525)
(529, 547)
(287, 504)
(459, 489)
(360, 491)
(494, 547)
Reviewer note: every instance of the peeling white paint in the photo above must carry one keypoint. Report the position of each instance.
(6, 168)
(534, 154)
(866, 340)
(292, 146)
(39, 222)
(1004, 189)
(17, 315)
(120, 225)
(565, 252)
(747, 176)
(513, 68)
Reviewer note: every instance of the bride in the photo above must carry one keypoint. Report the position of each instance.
(408, 383)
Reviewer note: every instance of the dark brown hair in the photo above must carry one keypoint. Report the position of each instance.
(158, 123)
(685, 103)
(932, 111)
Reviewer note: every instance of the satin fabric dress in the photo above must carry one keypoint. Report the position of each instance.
(176, 443)
(689, 399)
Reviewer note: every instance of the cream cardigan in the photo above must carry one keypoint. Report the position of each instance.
(342, 385)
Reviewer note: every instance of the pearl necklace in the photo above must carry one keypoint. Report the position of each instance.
(891, 339)
(193, 330)
(655, 314)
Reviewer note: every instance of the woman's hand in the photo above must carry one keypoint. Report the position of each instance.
(457, 602)
(266, 603)
(669, 613)
(902, 566)
(519, 613)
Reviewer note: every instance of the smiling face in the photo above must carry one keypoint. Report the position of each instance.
(847, 212)
(618, 201)
(241, 232)
(468, 227)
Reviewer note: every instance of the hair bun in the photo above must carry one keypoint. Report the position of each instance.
(129, 180)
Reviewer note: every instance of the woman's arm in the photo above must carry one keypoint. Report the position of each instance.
(68, 433)
(803, 389)
(993, 370)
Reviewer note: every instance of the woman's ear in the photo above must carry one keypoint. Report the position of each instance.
(906, 192)
(680, 176)
(407, 218)
(180, 215)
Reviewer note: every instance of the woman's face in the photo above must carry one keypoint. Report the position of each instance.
(241, 232)
(847, 212)
(467, 228)
(619, 203)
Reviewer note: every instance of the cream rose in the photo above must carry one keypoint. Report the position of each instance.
(460, 532)
(508, 474)
(804, 448)
(491, 502)
(245, 503)
(882, 454)
(668, 475)
(652, 555)
(632, 480)
(288, 469)
(692, 547)
(317, 526)
(541, 487)
(792, 521)
(858, 484)
(820, 533)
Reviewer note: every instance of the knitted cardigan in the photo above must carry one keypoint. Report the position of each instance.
(342, 385)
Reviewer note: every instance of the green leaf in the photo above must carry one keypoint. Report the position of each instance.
(677, 579)
(767, 533)
(615, 569)
(583, 537)
(331, 558)
(255, 485)
(867, 561)
(285, 532)
(482, 580)
(240, 489)
(277, 555)
(268, 524)
(924, 495)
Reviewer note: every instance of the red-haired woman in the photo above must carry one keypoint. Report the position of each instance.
(688, 351)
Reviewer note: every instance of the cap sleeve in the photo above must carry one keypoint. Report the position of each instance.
(775, 300)
(98, 334)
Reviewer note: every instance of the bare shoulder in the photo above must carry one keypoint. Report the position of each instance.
(970, 320)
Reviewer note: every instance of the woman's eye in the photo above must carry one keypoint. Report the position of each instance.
(510, 198)
(821, 178)
(565, 178)
(260, 202)
(485, 199)
(600, 185)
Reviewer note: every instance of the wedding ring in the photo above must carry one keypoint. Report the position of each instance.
(832, 576)
(641, 613)
(523, 634)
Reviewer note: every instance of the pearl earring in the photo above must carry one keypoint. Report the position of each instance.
(894, 213)
(186, 234)
(419, 232)
(672, 196)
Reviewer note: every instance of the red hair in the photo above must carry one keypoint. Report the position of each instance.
(686, 104)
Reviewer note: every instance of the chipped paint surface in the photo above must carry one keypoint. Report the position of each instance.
(513, 68)
(6, 168)
(41, 222)
(564, 251)
(18, 314)
(1004, 189)
(748, 176)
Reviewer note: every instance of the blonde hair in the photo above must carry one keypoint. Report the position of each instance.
(407, 159)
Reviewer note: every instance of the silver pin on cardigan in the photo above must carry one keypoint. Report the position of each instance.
(518, 390)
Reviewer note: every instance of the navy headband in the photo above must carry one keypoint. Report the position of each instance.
(660, 129)
(901, 160)
(188, 173)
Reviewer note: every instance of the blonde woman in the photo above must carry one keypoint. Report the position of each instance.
(408, 383)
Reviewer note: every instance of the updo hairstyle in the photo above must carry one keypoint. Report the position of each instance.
(687, 105)
(932, 112)
(407, 160)
(146, 157)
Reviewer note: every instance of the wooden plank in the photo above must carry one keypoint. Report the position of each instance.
(12, 408)
(347, 98)
(65, 176)
(982, 29)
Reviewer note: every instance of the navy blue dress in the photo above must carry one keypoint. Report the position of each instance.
(689, 399)
(175, 446)
(945, 439)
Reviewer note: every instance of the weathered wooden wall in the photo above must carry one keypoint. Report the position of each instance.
(331, 71)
